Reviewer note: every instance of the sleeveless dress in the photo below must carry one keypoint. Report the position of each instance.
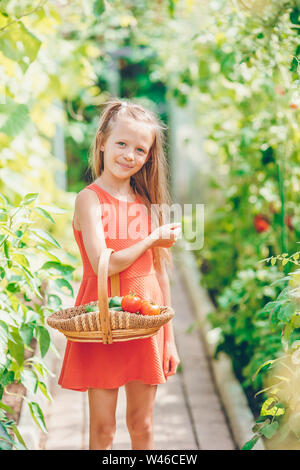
(98, 365)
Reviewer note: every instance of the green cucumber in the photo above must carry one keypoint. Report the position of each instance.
(115, 301)
(91, 308)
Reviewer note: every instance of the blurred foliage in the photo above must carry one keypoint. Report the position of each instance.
(40, 66)
(56, 60)
(279, 418)
(31, 275)
(133, 64)
(122, 67)
(238, 62)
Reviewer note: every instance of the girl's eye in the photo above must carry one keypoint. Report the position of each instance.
(139, 149)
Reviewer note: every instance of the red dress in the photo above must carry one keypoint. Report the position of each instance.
(98, 365)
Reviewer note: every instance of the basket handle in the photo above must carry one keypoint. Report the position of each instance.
(103, 295)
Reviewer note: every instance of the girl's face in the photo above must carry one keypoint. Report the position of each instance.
(127, 148)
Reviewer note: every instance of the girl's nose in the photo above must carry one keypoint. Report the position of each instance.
(130, 155)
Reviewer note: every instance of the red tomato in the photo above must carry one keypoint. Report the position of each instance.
(131, 303)
(149, 308)
(260, 223)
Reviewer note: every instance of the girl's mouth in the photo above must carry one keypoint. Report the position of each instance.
(125, 166)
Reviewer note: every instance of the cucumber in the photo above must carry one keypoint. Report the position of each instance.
(115, 302)
(91, 308)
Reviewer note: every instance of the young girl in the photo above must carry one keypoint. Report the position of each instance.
(130, 170)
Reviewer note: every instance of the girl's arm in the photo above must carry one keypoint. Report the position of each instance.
(88, 212)
(164, 283)
(170, 355)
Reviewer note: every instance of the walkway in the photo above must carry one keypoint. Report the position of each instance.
(188, 413)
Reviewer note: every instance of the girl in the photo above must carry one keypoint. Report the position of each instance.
(130, 172)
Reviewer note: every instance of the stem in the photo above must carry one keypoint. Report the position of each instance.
(16, 395)
(25, 14)
(280, 172)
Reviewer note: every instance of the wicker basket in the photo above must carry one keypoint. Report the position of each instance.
(106, 325)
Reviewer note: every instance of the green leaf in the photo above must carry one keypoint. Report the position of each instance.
(13, 117)
(20, 259)
(26, 332)
(54, 301)
(3, 215)
(251, 443)
(295, 320)
(269, 408)
(18, 436)
(32, 281)
(98, 7)
(29, 198)
(13, 287)
(5, 439)
(6, 247)
(37, 415)
(19, 44)
(43, 213)
(269, 306)
(7, 377)
(44, 390)
(48, 252)
(53, 209)
(287, 331)
(16, 347)
(267, 363)
(29, 379)
(270, 429)
(171, 7)
(6, 408)
(286, 312)
(41, 234)
(43, 339)
(3, 335)
(63, 269)
(63, 285)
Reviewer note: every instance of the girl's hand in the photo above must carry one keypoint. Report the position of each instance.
(170, 359)
(166, 235)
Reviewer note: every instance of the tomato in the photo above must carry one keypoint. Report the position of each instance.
(261, 224)
(149, 308)
(131, 303)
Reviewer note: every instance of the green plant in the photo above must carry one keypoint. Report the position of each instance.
(279, 413)
(31, 275)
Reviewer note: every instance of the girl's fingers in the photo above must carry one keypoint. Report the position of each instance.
(166, 367)
(171, 367)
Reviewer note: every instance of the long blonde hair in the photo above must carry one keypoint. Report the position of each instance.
(150, 183)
